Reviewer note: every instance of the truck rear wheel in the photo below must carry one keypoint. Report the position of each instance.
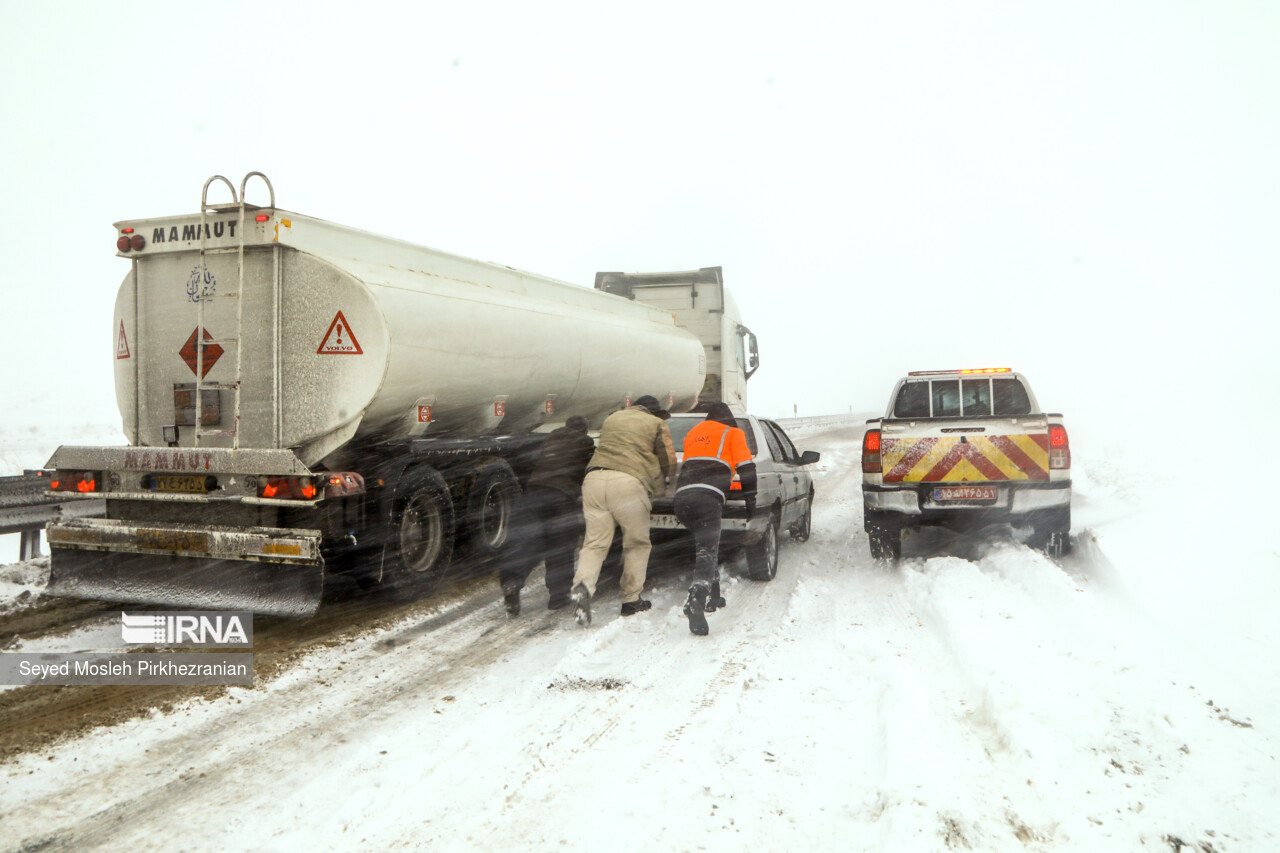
(762, 557)
(424, 535)
(491, 502)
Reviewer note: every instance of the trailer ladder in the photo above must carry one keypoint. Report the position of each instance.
(237, 203)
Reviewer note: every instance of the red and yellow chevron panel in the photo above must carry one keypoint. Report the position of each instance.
(977, 458)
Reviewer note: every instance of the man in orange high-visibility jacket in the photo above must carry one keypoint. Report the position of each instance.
(714, 451)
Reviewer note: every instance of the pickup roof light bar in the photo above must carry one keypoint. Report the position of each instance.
(951, 372)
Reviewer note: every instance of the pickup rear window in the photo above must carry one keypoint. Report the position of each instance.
(955, 398)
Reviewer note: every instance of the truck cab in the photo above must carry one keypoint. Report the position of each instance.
(784, 494)
(965, 449)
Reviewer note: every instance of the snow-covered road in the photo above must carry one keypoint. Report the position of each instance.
(978, 696)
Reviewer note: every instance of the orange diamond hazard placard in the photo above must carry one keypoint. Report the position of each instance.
(122, 343)
(339, 340)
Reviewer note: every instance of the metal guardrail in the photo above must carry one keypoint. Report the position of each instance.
(823, 420)
(27, 505)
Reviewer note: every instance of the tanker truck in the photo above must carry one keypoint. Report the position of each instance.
(302, 398)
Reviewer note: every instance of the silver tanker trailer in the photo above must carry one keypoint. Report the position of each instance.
(301, 397)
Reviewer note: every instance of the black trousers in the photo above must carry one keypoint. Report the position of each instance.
(700, 510)
(546, 525)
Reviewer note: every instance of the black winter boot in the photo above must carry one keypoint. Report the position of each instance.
(695, 608)
(631, 608)
(714, 599)
(511, 598)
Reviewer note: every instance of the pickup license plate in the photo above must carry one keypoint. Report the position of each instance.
(181, 483)
(965, 494)
(173, 540)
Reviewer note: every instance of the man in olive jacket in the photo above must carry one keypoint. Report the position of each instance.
(547, 522)
(633, 459)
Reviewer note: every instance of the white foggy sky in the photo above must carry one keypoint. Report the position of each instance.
(1086, 192)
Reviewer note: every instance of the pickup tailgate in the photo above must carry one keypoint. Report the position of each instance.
(962, 451)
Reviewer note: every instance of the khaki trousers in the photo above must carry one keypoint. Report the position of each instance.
(613, 498)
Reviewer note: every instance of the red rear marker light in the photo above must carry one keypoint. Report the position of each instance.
(1059, 447)
(289, 488)
(343, 484)
(128, 230)
(871, 452)
(122, 245)
(137, 242)
(262, 217)
(74, 481)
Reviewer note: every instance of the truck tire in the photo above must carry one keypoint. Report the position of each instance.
(423, 529)
(801, 529)
(762, 557)
(491, 502)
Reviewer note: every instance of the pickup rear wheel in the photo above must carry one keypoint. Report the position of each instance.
(762, 557)
(1052, 534)
(886, 542)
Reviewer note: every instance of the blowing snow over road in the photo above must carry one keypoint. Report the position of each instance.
(977, 696)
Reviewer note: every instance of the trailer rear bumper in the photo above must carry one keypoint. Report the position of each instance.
(266, 570)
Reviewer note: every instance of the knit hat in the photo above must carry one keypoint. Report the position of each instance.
(720, 413)
(648, 403)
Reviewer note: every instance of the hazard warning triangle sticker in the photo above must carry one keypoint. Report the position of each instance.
(339, 340)
(122, 343)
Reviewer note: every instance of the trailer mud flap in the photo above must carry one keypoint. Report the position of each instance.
(188, 567)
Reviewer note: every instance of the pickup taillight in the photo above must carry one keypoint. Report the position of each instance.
(1059, 447)
(871, 452)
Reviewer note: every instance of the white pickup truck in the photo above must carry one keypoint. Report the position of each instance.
(965, 449)
(784, 494)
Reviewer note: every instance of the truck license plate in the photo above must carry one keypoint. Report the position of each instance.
(968, 494)
(173, 540)
(180, 483)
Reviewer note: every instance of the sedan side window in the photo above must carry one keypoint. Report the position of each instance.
(788, 449)
(775, 449)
